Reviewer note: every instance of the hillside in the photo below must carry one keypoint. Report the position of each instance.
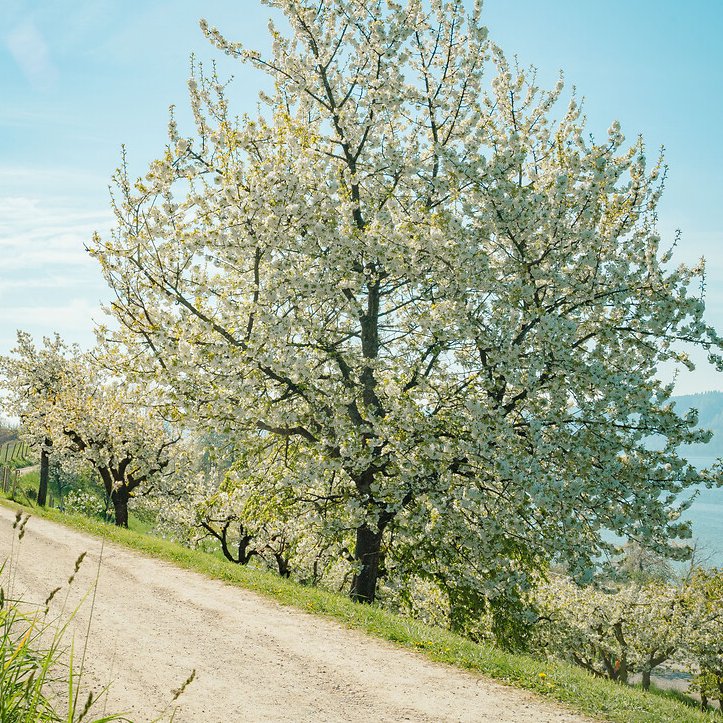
(710, 411)
(252, 659)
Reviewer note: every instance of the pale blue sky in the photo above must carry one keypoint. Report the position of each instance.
(80, 77)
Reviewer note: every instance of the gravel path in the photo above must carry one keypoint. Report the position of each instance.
(255, 660)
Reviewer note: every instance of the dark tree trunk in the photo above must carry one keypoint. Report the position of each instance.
(368, 553)
(623, 672)
(119, 497)
(653, 662)
(283, 564)
(44, 476)
(244, 554)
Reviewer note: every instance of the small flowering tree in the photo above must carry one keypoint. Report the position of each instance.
(87, 419)
(33, 377)
(249, 525)
(615, 633)
(253, 513)
(430, 294)
(704, 649)
(107, 428)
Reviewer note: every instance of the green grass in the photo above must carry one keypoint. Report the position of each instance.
(140, 525)
(30, 480)
(556, 681)
(29, 671)
(14, 454)
(39, 682)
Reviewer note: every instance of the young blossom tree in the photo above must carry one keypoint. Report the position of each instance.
(704, 646)
(444, 305)
(33, 377)
(245, 500)
(129, 447)
(615, 633)
(88, 419)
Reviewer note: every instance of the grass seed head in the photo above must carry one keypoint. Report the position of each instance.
(177, 693)
(78, 563)
(21, 529)
(50, 597)
(86, 707)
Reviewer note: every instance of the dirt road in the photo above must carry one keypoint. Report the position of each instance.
(255, 660)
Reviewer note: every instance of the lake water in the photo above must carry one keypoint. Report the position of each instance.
(706, 514)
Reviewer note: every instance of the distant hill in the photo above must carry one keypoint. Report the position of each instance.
(710, 416)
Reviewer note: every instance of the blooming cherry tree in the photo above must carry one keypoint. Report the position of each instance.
(68, 405)
(614, 633)
(33, 377)
(704, 648)
(427, 293)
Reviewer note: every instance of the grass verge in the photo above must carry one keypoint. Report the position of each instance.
(556, 681)
(39, 682)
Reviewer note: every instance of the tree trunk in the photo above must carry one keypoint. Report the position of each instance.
(623, 672)
(119, 497)
(646, 679)
(44, 476)
(283, 564)
(368, 553)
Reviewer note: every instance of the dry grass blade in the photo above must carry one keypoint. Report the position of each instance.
(179, 691)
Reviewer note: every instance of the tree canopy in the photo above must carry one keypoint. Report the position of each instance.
(420, 297)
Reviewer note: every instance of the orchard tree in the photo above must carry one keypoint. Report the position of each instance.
(251, 509)
(425, 286)
(106, 427)
(705, 644)
(33, 376)
(68, 404)
(249, 524)
(614, 633)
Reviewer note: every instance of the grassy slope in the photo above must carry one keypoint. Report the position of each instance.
(557, 681)
(10, 454)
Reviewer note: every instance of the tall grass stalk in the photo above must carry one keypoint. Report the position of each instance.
(37, 685)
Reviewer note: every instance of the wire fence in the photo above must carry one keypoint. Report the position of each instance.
(9, 480)
(14, 450)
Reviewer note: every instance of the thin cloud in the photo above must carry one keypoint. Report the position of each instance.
(72, 320)
(75, 315)
(64, 188)
(45, 283)
(28, 48)
(48, 282)
(35, 236)
(55, 175)
(22, 118)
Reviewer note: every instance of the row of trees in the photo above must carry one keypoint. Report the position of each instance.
(192, 484)
(72, 412)
(412, 308)
(616, 631)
